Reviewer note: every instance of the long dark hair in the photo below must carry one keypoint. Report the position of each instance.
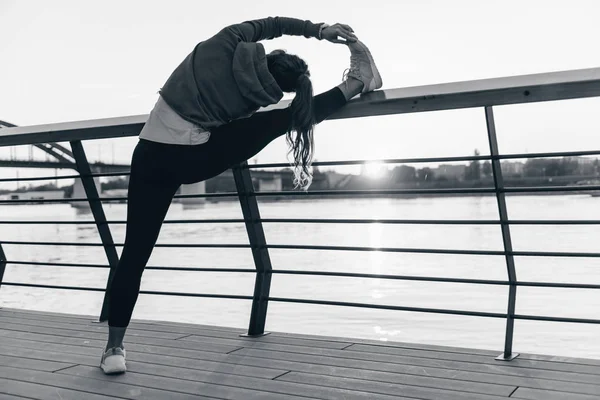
(292, 75)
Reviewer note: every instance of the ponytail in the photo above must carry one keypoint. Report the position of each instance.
(303, 121)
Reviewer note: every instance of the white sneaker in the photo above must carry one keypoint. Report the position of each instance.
(362, 67)
(113, 361)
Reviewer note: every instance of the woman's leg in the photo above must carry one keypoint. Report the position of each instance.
(242, 139)
(150, 192)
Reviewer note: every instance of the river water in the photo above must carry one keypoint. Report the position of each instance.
(579, 340)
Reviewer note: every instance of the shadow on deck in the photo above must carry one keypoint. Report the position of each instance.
(56, 356)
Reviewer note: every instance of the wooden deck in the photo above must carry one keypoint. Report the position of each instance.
(56, 356)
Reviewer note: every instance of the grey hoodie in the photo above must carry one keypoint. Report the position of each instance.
(226, 77)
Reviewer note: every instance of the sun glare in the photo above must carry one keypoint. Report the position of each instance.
(374, 170)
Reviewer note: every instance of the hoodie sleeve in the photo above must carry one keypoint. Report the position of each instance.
(273, 27)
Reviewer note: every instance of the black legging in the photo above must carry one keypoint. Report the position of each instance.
(157, 171)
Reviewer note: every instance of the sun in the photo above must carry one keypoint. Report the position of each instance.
(374, 169)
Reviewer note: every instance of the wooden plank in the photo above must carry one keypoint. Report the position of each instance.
(235, 339)
(417, 362)
(561, 359)
(442, 387)
(40, 391)
(147, 375)
(179, 384)
(538, 364)
(99, 341)
(421, 346)
(11, 348)
(36, 365)
(79, 337)
(402, 353)
(536, 394)
(419, 391)
(434, 382)
(399, 375)
(88, 388)
(177, 327)
(91, 357)
(46, 313)
(6, 323)
(183, 331)
(4, 396)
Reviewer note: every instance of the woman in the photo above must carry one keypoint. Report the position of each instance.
(204, 122)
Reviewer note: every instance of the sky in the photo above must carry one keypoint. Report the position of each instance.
(74, 60)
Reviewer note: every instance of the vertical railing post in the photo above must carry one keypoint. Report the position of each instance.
(2, 263)
(83, 167)
(510, 261)
(260, 253)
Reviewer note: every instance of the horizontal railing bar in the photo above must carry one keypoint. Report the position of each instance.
(431, 191)
(62, 200)
(532, 189)
(557, 319)
(386, 249)
(39, 178)
(392, 277)
(448, 96)
(35, 285)
(382, 161)
(198, 269)
(429, 221)
(21, 222)
(553, 222)
(160, 268)
(559, 285)
(377, 221)
(329, 273)
(51, 178)
(333, 248)
(432, 310)
(434, 251)
(551, 154)
(437, 279)
(387, 307)
(67, 200)
(436, 159)
(333, 221)
(174, 221)
(195, 245)
(376, 192)
(55, 264)
(208, 295)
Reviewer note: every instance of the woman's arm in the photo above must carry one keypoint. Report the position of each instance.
(274, 27)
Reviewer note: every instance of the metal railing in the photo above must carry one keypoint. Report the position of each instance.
(482, 93)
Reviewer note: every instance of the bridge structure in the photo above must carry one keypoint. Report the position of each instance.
(65, 159)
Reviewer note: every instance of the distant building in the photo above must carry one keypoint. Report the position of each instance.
(450, 171)
(269, 184)
(512, 168)
(34, 195)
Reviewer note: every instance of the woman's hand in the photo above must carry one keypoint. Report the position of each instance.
(331, 34)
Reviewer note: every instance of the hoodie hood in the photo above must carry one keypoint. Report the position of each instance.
(252, 76)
